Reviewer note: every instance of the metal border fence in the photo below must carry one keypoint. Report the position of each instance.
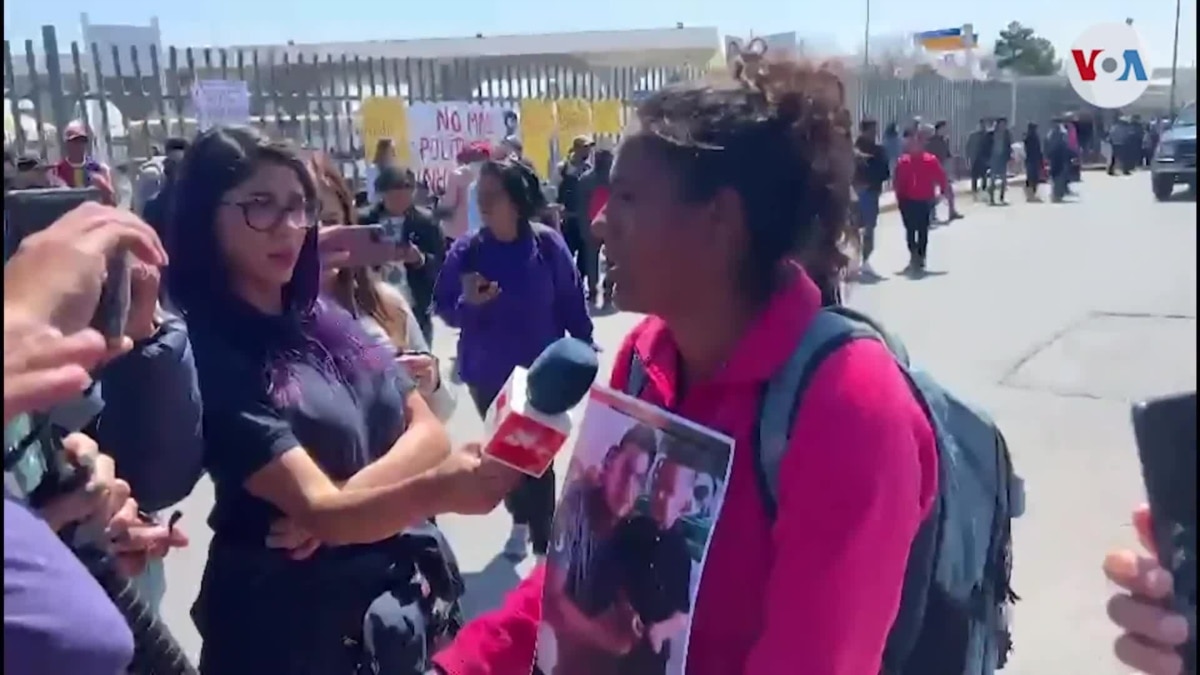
(314, 101)
(310, 100)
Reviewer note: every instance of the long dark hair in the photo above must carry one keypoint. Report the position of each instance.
(383, 146)
(314, 331)
(523, 189)
(520, 184)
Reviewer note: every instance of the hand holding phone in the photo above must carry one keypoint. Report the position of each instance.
(409, 254)
(478, 290)
(422, 367)
(1165, 429)
(358, 245)
(72, 267)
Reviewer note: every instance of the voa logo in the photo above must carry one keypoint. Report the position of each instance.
(1107, 68)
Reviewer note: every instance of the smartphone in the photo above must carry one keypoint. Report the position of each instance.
(1165, 429)
(480, 283)
(367, 245)
(29, 211)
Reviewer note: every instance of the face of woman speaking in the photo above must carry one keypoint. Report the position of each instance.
(261, 226)
(497, 210)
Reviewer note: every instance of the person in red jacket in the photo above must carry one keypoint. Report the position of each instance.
(917, 179)
(78, 169)
(725, 225)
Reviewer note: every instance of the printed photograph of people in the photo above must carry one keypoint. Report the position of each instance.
(629, 540)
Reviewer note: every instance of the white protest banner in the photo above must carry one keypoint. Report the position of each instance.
(221, 102)
(437, 132)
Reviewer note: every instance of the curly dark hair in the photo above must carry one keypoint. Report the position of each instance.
(521, 185)
(778, 134)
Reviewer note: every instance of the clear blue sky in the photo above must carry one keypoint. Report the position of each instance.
(233, 22)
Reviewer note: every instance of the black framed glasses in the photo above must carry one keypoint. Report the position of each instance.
(265, 215)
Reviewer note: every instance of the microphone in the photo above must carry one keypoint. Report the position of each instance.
(527, 424)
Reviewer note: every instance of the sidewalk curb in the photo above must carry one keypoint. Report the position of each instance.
(962, 189)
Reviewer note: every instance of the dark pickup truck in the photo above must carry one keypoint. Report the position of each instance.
(1175, 159)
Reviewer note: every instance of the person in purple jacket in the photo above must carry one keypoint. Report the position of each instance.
(512, 289)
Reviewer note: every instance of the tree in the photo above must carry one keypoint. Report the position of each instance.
(1021, 50)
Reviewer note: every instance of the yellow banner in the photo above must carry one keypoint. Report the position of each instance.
(574, 119)
(537, 151)
(385, 117)
(537, 128)
(606, 116)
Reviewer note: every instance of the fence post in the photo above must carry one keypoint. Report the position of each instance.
(54, 82)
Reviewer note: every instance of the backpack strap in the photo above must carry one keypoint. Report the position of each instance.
(636, 382)
(830, 329)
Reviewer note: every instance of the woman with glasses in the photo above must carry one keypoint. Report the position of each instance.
(322, 453)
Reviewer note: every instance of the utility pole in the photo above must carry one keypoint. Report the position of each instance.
(867, 36)
(1174, 63)
(866, 65)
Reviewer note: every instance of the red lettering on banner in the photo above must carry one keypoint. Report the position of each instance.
(435, 177)
(480, 123)
(448, 119)
(440, 148)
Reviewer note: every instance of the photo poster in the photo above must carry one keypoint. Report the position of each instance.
(384, 117)
(640, 500)
(437, 132)
(220, 102)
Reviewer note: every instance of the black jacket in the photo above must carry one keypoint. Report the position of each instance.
(568, 186)
(871, 164)
(157, 209)
(423, 232)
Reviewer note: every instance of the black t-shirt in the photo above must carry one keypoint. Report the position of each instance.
(656, 581)
(344, 425)
(871, 164)
(593, 575)
(258, 611)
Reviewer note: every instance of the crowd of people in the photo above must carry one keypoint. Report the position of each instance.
(304, 387)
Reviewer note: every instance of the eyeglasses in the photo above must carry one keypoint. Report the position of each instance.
(265, 215)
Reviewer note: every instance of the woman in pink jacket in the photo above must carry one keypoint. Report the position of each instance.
(726, 225)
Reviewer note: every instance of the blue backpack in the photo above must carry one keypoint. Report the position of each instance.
(953, 617)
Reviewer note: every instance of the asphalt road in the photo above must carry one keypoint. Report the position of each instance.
(1052, 316)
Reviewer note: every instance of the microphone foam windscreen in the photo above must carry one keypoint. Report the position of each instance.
(561, 376)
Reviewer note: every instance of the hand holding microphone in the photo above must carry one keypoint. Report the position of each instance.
(527, 425)
(527, 422)
(474, 484)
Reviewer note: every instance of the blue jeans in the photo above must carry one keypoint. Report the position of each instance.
(868, 218)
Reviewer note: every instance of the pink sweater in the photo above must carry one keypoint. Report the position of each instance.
(816, 591)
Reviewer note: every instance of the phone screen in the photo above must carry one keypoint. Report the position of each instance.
(1166, 437)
